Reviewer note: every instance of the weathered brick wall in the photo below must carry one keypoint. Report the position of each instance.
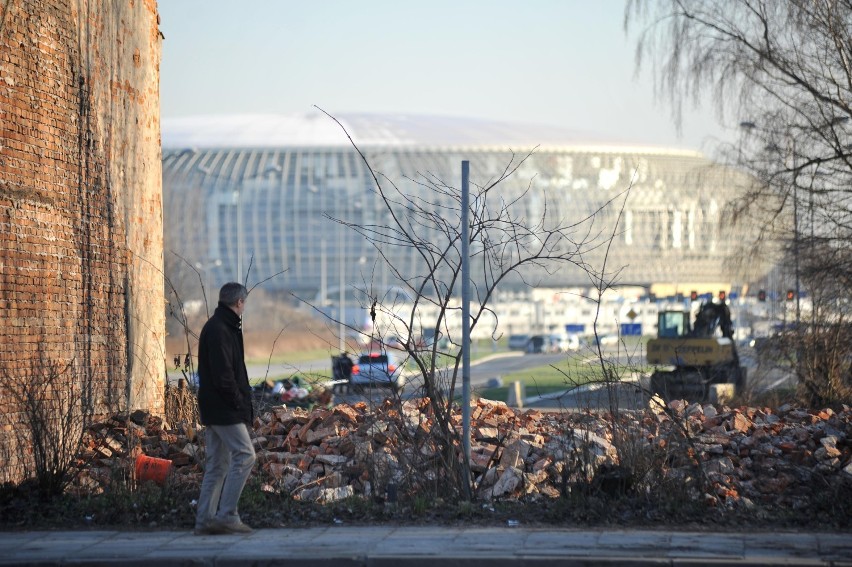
(80, 199)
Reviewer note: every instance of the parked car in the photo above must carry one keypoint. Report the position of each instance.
(538, 344)
(377, 369)
(518, 342)
(565, 342)
(605, 340)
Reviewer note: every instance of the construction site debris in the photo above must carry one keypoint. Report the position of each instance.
(746, 454)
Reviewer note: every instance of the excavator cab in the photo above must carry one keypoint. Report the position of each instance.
(671, 324)
(710, 320)
(691, 357)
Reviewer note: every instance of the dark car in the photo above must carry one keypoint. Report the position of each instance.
(538, 344)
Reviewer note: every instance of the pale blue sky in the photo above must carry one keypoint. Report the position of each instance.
(562, 62)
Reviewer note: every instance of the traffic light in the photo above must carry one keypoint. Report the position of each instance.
(723, 295)
(761, 295)
(791, 295)
(693, 295)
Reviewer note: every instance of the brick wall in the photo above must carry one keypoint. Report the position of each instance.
(80, 200)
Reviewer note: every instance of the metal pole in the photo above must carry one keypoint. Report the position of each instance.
(796, 227)
(796, 245)
(323, 274)
(465, 258)
(342, 294)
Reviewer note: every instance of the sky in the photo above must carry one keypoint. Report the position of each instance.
(564, 63)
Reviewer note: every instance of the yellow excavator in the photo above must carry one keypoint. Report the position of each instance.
(690, 358)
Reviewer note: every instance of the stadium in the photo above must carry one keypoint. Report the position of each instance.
(276, 196)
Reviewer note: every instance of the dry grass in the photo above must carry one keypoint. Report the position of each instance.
(271, 328)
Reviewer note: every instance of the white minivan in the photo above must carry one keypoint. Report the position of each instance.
(565, 342)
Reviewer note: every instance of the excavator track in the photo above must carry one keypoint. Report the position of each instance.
(680, 384)
(693, 384)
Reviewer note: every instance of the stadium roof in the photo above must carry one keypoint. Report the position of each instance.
(390, 130)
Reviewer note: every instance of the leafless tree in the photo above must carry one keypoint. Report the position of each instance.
(427, 217)
(782, 71)
(56, 404)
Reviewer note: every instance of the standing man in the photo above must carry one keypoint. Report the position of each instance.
(224, 402)
(346, 366)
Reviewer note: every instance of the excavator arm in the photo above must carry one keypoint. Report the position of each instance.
(710, 317)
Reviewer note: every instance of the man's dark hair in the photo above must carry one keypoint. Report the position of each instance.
(231, 293)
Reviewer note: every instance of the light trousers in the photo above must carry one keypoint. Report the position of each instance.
(228, 462)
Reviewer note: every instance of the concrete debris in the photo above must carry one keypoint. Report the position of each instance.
(746, 454)
(507, 482)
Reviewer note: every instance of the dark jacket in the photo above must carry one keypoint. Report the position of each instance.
(224, 393)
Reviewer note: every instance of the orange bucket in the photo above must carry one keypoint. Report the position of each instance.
(152, 468)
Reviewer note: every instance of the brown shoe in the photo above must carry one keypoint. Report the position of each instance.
(217, 526)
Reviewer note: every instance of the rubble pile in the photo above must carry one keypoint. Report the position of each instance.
(747, 455)
(761, 455)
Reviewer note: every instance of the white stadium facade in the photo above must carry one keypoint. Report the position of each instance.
(260, 194)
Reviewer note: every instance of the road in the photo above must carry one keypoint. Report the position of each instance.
(508, 363)
(762, 377)
(481, 370)
(490, 369)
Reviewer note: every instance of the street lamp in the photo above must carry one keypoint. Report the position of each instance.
(791, 152)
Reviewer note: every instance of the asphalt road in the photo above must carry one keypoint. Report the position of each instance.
(486, 370)
(492, 368)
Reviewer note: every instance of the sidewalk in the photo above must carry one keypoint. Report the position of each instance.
(424, 546)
